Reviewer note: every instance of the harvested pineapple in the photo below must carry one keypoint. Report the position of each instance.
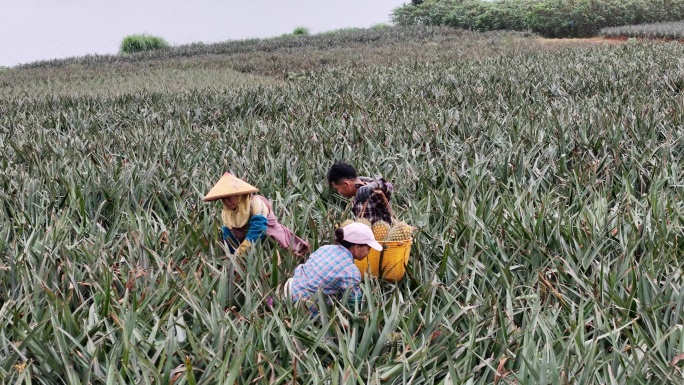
(399, 231)
(381, 230)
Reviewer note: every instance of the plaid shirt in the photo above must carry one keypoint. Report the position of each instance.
(331, 270)
(376, 209)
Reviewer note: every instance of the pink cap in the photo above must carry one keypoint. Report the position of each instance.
(361, 235)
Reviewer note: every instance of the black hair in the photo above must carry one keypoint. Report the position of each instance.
(339, 238)
(340, 171)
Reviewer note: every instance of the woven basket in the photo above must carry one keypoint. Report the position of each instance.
(390, 263)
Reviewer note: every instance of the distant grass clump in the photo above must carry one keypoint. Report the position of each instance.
(673, 30)
(140, 43)
(298, 31)
(301, 31)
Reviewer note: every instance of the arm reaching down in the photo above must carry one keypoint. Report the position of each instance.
(257, 225)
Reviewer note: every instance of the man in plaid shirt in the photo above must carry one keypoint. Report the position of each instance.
(343, 178)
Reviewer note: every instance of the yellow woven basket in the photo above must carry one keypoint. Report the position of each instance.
(388, 264)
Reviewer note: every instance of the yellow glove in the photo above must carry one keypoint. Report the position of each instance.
(244, 248)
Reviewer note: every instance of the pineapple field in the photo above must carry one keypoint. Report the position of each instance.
(543, 185)
(672, 31)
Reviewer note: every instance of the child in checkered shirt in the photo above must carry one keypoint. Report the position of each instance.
(364, 191)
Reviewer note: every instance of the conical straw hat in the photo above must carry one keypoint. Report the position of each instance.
(229, 185)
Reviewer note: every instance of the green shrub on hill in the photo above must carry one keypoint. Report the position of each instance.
(140, 43)
(300, 31)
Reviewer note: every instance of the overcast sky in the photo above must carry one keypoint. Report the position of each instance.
(33, 30)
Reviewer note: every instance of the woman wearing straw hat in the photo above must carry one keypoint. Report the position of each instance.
(248, 217)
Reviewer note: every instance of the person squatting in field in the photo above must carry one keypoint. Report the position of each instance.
(343, 178)
(247, 218)
(330, 270)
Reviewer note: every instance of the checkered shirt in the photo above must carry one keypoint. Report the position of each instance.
(331, 270)
(376, 209)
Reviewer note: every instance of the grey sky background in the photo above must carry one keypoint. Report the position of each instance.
(33, 30)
